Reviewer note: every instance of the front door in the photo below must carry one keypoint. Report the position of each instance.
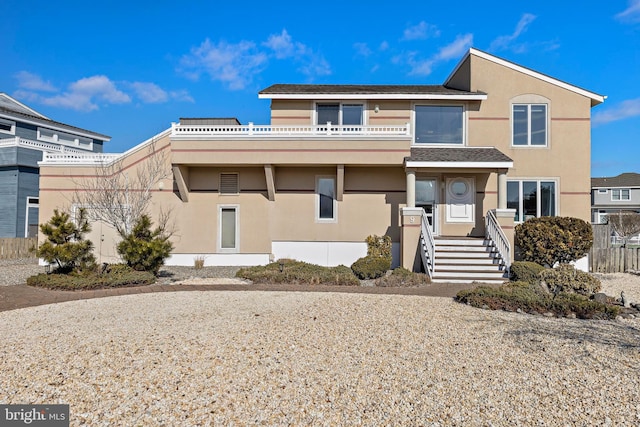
(461, 199)
(426, 192)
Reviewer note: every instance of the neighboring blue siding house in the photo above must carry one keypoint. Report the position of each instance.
(25, 135)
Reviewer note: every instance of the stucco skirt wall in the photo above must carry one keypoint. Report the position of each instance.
(328, 254)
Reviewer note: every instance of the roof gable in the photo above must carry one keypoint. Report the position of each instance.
(595, 98)
(9, 104)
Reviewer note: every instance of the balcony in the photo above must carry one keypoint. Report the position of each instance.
(251, 130)
(39, 145)
(289, 144)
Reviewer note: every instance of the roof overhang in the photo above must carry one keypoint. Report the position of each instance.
(356, 96)
(457, 158)
(49, 124)
(459, 165)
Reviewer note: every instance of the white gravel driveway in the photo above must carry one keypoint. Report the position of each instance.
(274, 358)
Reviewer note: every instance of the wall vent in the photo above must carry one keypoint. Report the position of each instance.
(229, 183)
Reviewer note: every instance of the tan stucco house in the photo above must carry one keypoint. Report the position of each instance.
(445, 170)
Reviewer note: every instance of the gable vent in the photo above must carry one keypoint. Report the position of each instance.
(229, 183)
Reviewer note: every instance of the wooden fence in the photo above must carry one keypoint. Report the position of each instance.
(608, 258)
(11, 248)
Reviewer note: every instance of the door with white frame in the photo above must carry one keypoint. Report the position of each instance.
(461, 196)
(426, 198)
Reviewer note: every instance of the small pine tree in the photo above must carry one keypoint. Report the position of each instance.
(144, 249)
(65, 244)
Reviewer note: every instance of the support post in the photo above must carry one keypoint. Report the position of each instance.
(411, 188)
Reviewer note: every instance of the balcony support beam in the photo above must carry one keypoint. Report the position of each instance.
(181, 175)
(271, 187)
(339, 182)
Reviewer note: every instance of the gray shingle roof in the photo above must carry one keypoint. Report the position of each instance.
(307, 89)
(628, 179)
(455, 154)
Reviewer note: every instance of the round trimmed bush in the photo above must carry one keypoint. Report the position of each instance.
(565, 278)
(552, 240)
(371, 267)
(525, 271)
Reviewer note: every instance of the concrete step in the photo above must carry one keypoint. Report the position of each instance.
(485, 260)
(473, 275)
(461, 242)
(462, 281)
(467, 267)
(468, 255)
(449, 248)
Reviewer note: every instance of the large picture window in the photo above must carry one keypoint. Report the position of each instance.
(531, 199)
(529, 124)
(439, 124)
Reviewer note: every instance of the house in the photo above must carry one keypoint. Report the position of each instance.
(615, 194)
(25, 135)
(445, 170)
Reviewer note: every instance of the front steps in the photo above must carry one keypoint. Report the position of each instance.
(467, 260)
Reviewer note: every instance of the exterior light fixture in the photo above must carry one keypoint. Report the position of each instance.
(376, 109)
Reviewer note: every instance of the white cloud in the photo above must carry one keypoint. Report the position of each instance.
(506, 42)
(87, 94)
(383, 46)
(420, 32)
(631, 13)
(232, 64)
(149, 93)
(30, 81)
(362, 49)
(82, 95)
(281, 45)
(624, 110)
(453, 50)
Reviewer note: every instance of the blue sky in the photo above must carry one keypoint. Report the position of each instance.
(129, 69)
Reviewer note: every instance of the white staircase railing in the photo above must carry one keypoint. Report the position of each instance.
(494, 232)
(428, 246)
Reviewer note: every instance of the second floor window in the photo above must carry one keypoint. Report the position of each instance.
(339, 114)
(529, 124)
(620, 194)
(439, 124)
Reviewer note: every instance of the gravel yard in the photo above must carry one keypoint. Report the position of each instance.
(282, 358)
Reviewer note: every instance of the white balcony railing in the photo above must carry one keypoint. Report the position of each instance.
(38, 145)
(266, 131)
(79, 158)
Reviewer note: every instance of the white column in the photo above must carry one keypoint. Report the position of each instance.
(411, 188)
(502, 189)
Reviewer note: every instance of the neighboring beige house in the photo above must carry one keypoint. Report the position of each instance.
(445, 170)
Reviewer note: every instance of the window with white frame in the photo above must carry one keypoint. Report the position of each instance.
(7, 126)
(228, 229)
(339, 114)
(532, 198)
(602, 191)
(326, 205)
(529, 125)
(620, 194)
(439, 124)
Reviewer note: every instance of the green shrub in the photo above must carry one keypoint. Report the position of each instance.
(552, 239)
(525, 271)
(527, 298)
(371, 267)
(401, 277)
(144, 249)
(298, 272)
(65, 245)
(565, 278)
(115, 276)
(379, 246)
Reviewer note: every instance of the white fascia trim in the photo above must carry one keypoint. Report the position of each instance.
(47, 124)
(465, 97)
(527, 71)
(460, 165)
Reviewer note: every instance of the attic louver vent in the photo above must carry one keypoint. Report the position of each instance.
(229, 183)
